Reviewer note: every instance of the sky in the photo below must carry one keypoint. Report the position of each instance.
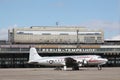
(93, 14)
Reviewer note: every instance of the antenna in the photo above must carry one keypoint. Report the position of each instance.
(77, 38)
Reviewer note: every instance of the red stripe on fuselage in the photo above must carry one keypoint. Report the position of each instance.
(95, 61)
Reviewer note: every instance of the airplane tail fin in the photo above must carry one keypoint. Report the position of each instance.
(33, 55)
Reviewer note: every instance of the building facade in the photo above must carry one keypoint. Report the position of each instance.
(56, 41)
(17, 55)
(45, 34)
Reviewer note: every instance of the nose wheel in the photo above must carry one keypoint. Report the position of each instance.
(99, 67)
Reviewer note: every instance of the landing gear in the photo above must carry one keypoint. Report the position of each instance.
(99, 67)
(70, 62)
(75, 68)
(65, 68)
(58, 68)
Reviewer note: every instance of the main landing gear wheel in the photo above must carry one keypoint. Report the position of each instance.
(75, 68)
(58, 68)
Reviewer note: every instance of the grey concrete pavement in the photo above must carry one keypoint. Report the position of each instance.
(51, 74)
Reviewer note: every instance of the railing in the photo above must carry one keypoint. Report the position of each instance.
(76, 52)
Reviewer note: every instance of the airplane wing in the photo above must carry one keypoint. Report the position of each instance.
(70, 62)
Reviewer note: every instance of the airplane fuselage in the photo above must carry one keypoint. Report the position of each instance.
(60, 61)
(73, 61)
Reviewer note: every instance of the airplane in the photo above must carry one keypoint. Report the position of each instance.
(66, 61)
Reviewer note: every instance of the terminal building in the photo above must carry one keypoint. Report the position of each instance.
(56, 41)
(55, 35)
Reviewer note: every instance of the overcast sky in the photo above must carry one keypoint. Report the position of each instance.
(93, 14)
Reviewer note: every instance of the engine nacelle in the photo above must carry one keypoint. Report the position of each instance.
(85, 62)
(82, 62)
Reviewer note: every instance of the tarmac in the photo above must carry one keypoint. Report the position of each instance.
(51, 74)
